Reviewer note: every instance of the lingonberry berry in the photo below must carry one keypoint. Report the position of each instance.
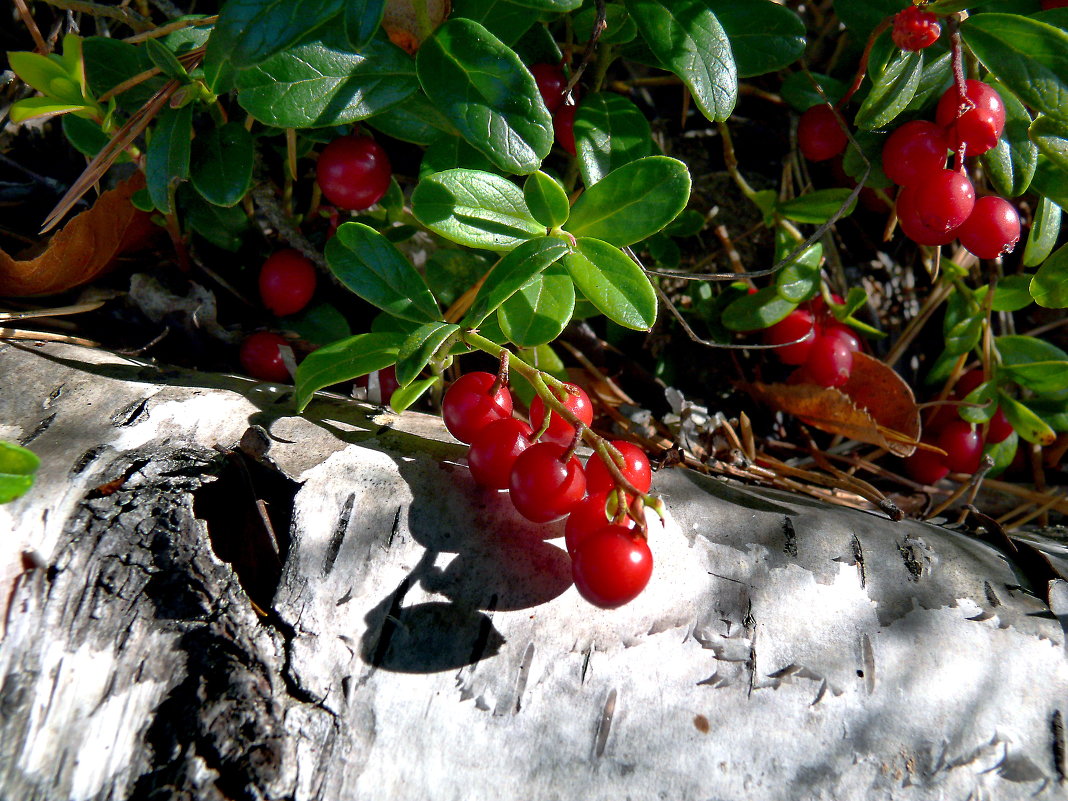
(1000, 429)
(829, 362)
(980, 124)
(914, 151)
(353, 172)
(993, 228)
(551, 83)
(846, 334)
(963, 446)
(819, 134)
(543, 486)
(287, 282)
(587, 516)
(612, 566)
(926, 467)
(635, 469)
(1048, 4)
(930, 212)
(564, 127)
(471, 404)
(261, 358)
(915, 29)
(494, 450)
(798, 327)
(560, 431)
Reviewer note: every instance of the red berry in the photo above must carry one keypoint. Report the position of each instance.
(967, 383)
(387, 384)
(495, 449)
(560, 431)
(993, 228)
(915, 29)
(468, 406)
(981, 123)
(611, 566)
(797, 325)
(830, 361)
(819, 134)
(931, 211)
(287, 282)
(926, 467)
(635, 469)
(587, 516)
(261, 359)
(963, 446)
(542, 486)
(1048, 4)
(914, 151)
(551, 82)
(353, 172)
(1000, 429)
(846, 334)
(564, 127)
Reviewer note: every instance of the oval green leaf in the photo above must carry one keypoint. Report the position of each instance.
(419, 348)
(1026, 423)
(254, 30)
(1049, 287)
(1011, 163)
(613, 283)
(546, 199)
(1051, 137)
(752, 312)
(540, 310)
(222, 164)
(800, 279)
(167, 160)
(361, 19)
(610, 131)
(1045, 228)
(764, 35)
(343, 361)
(893, 90)
(817, 207)
(403, 397)
(17, 467)
(511, 273)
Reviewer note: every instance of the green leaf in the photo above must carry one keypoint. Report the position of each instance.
(403, 397)
(893, 90)
(1049, 287)
(936, 78)
(483, 89)
(254, 30)
(167, 159)
(798, 91)
(362, 18)
(507, 21)
(1026, 423)
(1002, 453)
(817, 207)
(416, 120)
(687, 39)
(963, 323)
(511, 273)
(1045, 228)
(48, 75)
(110, 62)
(452, 153)
(546, 200)
(17, 466)
(1028, 56)
(1051, 137)
(1054, 412)
(613, 283)
(540, 310)
(800, 279)
(764, 35)
(419, 348)
(166, 61)
(985, 398)
(759, 310)
(473, 208)
(861, 16)
(30, 107)
(690, 223)
(223, 226)
(1033, 363)
(1051, 181)
(1011, 295)
(87, 136)
(368, 264)
(610, 131)
(620, 28)
(343, 361)
(871, 148)
(1011, 162)
(320, 83)
(452, 271)
(320, 324)
(222, 164)
(632, 202)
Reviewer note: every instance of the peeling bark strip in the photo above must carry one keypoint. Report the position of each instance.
(418, 640)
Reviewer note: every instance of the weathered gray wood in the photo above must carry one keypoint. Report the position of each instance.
(423, 642)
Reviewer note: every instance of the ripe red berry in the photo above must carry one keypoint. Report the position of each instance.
(353, 172)
(1048, 4)
(544, 487)
(830, 361)
(611, 566)
(468, 405)
(931, 211)
(926, 467)
(967, 383)
(993, 228)
(914, 151)
(797, 325)
(1000, 429)
(635, 469)
(587, 516)
(261, 359)
(846, 334)
(564, 127)
(963, 446)
(551, 83)
(819, 134)
(981, 123)
(287, 282)
(494, 451)
(915, 29)
(560, 431)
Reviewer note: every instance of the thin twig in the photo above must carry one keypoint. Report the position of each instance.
(120, 13)
(31, 26)
(599, 25)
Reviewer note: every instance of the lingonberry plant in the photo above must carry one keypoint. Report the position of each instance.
(287, 282)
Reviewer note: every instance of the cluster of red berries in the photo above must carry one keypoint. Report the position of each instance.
(915, 29)
(610, 561)
(551, 83)
(962, 441)
(812, 339)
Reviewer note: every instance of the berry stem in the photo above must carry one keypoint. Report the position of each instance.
(862, 67)
(502, 373)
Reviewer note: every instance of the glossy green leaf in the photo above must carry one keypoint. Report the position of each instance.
(223, 226)
(613, 283)
(759, 310)
(620, 28)
(985, 400)
(1012, 294)
(473, 208)
(87, 137)
(817, 207)
(361, 19)
(511, 273)
(871, 149)
(936, 78)
(17, 468)
(1033, 363)
(800, 279)
(610, 131)
(1028, 56)
(632, 202)
(167, 160)
(1051, 181)
(506, 20)
(110, 62)
(1011, 163)
(1002, 453)
(546, 199)
(687, 39)
(452, 271)
(765, 36)
(798, 91)
(403, 397)
(48, 75)
(893, 90)
(483, 89)
(321, 83)
(163, 58)
(320, 324)
(1051, 137)
(343, 361)
(419, 348)
(1045, 228)
(31, 107)
(1049, 287)
(861, 16)
(1026, 423)
(368, 264)
(963, 323)
(254, 30)
(222, 164)
(452, 153)
(541, 309)
(1053, 411)
(416, 120)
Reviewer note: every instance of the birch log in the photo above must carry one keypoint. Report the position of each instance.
(378, 628)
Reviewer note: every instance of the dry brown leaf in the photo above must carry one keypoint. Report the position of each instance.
(402, 25)
(84, 248)
(875, 406)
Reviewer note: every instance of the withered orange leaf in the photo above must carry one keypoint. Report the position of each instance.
(84, 248)
(874, 406)
(401, 23)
